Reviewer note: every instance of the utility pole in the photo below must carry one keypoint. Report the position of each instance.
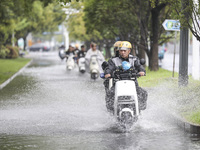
(174, 53)
(183, 57)
(195, 51)
(183, 54)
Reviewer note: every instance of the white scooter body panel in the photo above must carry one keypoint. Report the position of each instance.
(81, 64)
(94, 66)
(70, 62)
(126, 88)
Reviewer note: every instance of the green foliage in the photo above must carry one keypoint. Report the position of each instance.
(188, 13)
(139, 22)
(9, 52)
(46, 18)
(68, 1)
(193, 117)
(3, 52)
(13, 52)
(24, 16)
(76, 24)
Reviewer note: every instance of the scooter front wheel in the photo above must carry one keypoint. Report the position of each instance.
(127, 120)
(94, 76)
(82, 71)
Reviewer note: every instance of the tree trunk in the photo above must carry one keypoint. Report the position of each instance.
(153, 60)
(87, 43)
(25, 42)
(143, 17)
(101, 46)
(108, 53)
(155, 13)
(141, 52)
(133, 51)
(24, 38)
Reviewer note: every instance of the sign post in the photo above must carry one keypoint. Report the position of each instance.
(172, 25)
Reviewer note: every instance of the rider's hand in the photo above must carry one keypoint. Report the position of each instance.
(141, 73)
(107, 75)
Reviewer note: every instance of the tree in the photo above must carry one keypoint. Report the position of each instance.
(191, 9)
(23, 16)
(155, 14)
(76, 25)
(128, 22)
(99, 16)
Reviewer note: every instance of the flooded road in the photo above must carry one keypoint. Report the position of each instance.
(48, 108)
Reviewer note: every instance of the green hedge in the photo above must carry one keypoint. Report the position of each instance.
(9, 52)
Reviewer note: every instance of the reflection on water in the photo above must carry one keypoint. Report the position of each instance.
(48, 108)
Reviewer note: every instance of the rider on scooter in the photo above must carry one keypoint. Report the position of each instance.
(116, 48)
(124, 55)
(94, 51)
(104, 65)
(82, 52)
(69, 51)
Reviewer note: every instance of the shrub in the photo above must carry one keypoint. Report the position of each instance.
(3, 52)
(13, 52)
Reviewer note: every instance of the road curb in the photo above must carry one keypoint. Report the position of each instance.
(192, 129)
(16, 74)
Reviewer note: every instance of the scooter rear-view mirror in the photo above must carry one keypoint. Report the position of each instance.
(142, 61)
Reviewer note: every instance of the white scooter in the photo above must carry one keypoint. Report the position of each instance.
(70, 62)
(126, 105)
(94, 67)
(61, 54)
(81, 64)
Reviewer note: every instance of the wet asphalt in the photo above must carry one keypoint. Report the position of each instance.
(47, 107)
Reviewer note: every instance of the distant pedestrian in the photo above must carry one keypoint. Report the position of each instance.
(161, 54)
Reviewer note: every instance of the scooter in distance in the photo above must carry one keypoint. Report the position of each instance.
(70, 64)
(81, 64)
(94, 67)
(61, 53)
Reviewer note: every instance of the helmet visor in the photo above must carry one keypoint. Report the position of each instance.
(124, 48)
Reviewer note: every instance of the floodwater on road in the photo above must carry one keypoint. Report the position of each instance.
(49, 108)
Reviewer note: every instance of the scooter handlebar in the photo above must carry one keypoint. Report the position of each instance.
(102, 75)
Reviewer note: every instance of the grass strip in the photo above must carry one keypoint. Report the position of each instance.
(8, 67)
(154, 78)
(187, 98)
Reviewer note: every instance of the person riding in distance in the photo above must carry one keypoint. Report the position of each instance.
(116, 48)
(81, 53)
(113, 63)
(69, 51)
(93, 51)
(104, 65)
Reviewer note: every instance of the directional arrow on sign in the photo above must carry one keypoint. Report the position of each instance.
(171, 25)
